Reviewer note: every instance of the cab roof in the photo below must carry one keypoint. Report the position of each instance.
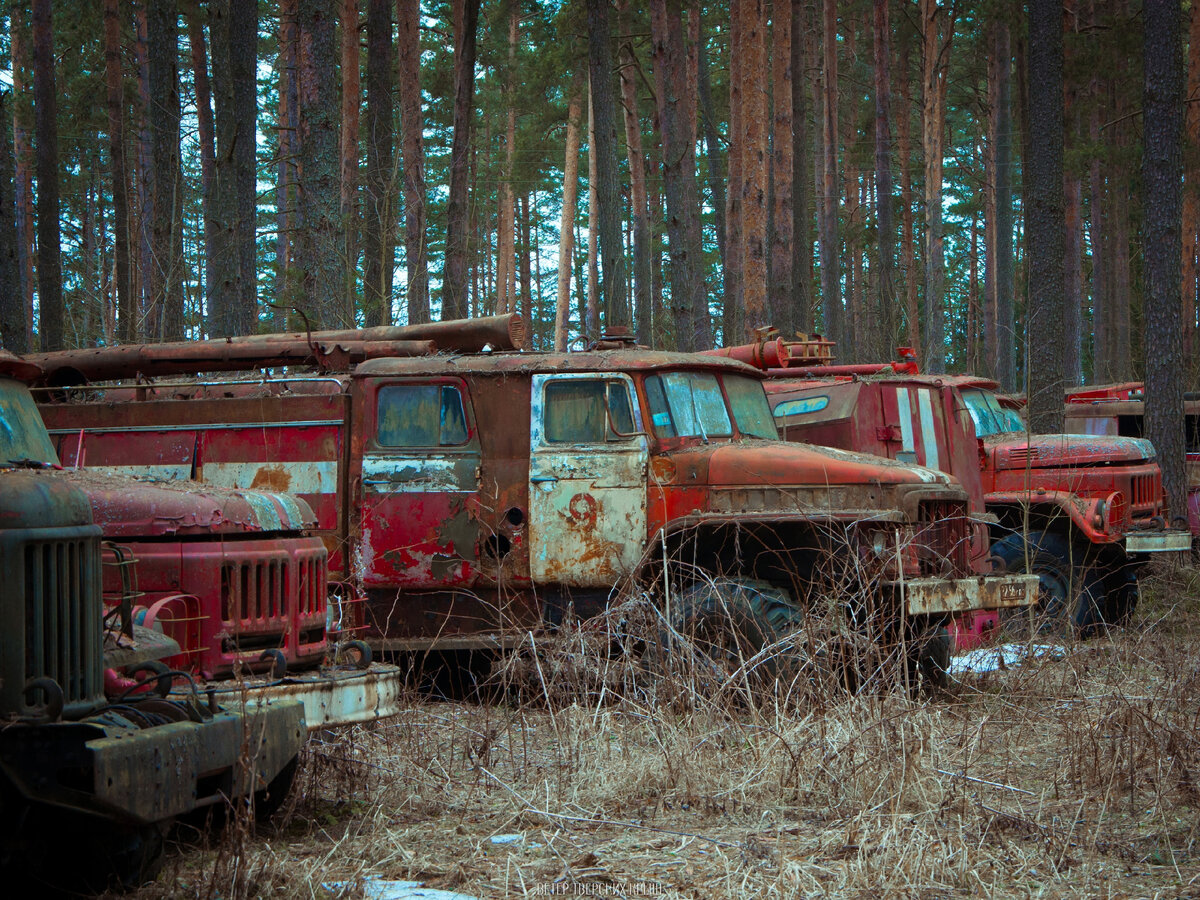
(500, 364)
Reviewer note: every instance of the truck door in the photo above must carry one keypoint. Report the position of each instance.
(916, 414)
(587, 473)
(420, 486)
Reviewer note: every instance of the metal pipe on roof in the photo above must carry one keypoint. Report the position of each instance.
(506, 332)
(69, 367)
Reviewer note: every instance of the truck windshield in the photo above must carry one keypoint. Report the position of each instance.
(23, 437)
(989, 416)
(690, 404)
(750, 408)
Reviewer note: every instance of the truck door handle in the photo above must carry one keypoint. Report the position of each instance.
(543, 479)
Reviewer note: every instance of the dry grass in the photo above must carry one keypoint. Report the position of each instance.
(1069, 777)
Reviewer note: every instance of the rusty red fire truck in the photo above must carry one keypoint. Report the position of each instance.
(232, 575)
(470, 497)
(1118, 410)
(1083, 514)
(94, 763)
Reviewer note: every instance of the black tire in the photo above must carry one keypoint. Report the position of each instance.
(105, 856)
(1070, 594)
(728, 621)
(933, 661)
(270, 799)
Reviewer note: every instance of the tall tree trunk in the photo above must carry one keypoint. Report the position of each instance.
(45, 98)
(1044, 218)
(1073, 273)
(831, 300)
(506, 300)
(320, 252)
(1191, 200)
(637, 192)
(148, 325)
(349, 204)
(1119, 300)
(408, 14)
(207, 134)
(243, 66)
(613, 300)
(908, 255)
(731, 311)
(782, 292)
(22, 66)
(454, 290)
(379, 181)
(223, 262)
(233, 28)
(883, 176)
(13, 334)
(799, 312)
(525, 294)
(1162, 175)
(115, 102)
(689, 297)
(712, 146)
(166, 194)
(754, 137)
(989, 209)
(285, 185)
(937, 32)
(590, 323)
(1005, 371)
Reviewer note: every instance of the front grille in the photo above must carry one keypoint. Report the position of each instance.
(310, 597)
(1145, 491)
(254, 593)
(63, 610)
(943, 538)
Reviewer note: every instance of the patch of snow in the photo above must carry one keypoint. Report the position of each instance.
(1001, 656)
(375, 888)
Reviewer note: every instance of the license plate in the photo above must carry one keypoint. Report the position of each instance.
(1010, 593)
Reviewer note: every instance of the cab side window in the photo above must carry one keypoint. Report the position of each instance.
(587, 411)
(420, 415)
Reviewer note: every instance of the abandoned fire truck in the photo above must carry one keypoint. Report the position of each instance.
(94, 763)
(1082, 514)
(1118, 409)
(233, 578)
(474, 497)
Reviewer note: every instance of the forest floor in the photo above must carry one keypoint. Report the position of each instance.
(1076, 774)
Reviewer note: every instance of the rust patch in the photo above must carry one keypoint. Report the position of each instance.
(271, 478)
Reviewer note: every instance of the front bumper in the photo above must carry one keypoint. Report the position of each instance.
(1170, 541)
(937, 596)
(339, 697)
(146, 775)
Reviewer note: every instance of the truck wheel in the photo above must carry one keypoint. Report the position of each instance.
(270, 799)
(933, 661)
(1069, 595)
(730, 621)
